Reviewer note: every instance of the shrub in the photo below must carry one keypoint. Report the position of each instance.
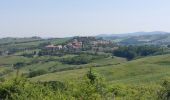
(91, 87)
(22, 89)
(77, 60)
(29, 55)
(18, 65)
(37, 73)
(164, 94)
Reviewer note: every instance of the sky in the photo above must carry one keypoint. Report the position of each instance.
(63, 18)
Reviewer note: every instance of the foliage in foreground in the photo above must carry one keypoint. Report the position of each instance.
(91, 87)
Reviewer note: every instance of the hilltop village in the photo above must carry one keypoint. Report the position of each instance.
(79, 44)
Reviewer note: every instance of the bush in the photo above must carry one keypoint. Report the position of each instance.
(54, 85)
(77, 60)
(164, 94)
(22, 89)
(29, 55)
(91, 87)
(18, 65)
(37, 73)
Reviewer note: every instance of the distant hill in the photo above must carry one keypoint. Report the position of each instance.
(18, 40)
(155, 38)
(133, 34)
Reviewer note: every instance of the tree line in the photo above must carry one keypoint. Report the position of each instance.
(131, 52)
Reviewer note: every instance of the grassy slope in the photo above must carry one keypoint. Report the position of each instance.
(31, 44)
(9, 60)
(50, 63)
(57, 65)
(144, 70)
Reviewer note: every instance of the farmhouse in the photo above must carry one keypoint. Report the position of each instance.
(53, 47)
(100, 42)
(76, 44)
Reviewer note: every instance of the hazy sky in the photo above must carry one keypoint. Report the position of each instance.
(48, 18)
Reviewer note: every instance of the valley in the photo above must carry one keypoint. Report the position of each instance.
(125, 70)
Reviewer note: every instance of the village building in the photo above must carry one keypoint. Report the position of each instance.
(100, 42)
(54, 47)
(76, 44)
(82, 43)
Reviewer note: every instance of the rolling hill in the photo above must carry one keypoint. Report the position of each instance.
(144, 71)
(20, 44)
(151, 38)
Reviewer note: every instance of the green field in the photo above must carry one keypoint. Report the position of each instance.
(144, 70)
(52, 63)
